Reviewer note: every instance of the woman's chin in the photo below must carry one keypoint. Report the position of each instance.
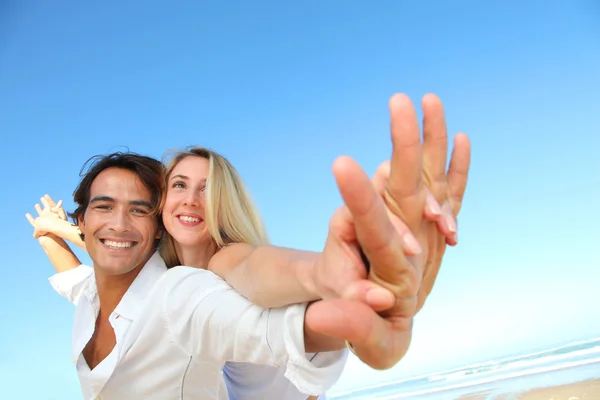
(191, 241)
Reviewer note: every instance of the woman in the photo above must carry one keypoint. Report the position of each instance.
(211, 222)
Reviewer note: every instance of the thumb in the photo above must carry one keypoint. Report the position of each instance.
(369, 293)
(373, 338)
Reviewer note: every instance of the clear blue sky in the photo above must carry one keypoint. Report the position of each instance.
(281, 89)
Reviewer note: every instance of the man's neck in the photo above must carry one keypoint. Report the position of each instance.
(196, 256)
(112, 288)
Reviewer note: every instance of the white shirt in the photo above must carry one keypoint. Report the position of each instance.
(175, 331)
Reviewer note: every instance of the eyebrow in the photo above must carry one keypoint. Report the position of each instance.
(109, 199)
(179, 176)
(140, 203)
(97, 199)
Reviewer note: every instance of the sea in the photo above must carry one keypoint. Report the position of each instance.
(509, 376)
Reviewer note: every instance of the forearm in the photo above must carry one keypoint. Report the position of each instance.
(270, 276)
(59, 253)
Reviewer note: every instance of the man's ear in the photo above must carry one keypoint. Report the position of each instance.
(159, 233)
(81, 226)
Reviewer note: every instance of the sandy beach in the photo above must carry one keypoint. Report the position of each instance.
(585, 390)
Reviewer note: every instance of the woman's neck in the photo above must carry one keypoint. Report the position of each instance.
(196, 256)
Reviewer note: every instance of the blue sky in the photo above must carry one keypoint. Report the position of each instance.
(283, 88)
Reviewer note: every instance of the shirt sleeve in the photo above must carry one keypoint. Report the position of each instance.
(69, 284)
(212, 321)
(258, 382)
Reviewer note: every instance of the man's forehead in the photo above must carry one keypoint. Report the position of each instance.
(119, 184)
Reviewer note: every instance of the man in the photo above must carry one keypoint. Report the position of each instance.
(193, 322)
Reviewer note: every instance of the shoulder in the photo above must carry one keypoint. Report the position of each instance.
(183, 283)
(191, 294)
(229, 257)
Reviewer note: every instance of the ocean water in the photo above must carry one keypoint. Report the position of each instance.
(571, 363)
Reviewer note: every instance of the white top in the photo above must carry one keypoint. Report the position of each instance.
(177, 329)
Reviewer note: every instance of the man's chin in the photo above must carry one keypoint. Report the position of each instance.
(116, 266)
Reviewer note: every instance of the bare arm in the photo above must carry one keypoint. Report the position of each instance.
(62, 229)
(268, 276)
(52, 229)
(59, 253)
(272, 277)
(210, 319)
(52, 219)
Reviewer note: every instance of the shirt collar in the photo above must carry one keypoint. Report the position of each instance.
(131, 302)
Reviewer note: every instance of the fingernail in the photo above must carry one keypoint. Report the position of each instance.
(410, 243)
(379, 295)
(451, 222)
(453, 240)
(432, 205)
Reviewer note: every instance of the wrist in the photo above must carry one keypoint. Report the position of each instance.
(304, 269)
(65, 228)
(48, 239)
(50, 242)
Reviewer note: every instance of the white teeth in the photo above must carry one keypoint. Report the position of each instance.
(118, 245)
(188, 219)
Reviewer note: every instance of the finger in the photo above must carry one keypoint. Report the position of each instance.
(55, 207)
(435, 145)
(381, 177)
(403, 194)
(30, 219)
(377, 342)
(45, 203)
(374, 230)
(409, 242)
(452, 241)
(458, 173)
(50, 200)
(442, 217)
(432, 211)
(429, 279)
(62, 214)
(38, 209)
(60, 211)
(367, 292)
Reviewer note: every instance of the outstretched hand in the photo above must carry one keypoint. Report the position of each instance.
(50, 216)
(397, 221)
(51, 223)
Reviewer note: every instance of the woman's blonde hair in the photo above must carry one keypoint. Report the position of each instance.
(230, 213)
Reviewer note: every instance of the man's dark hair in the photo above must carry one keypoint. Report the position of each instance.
(149, 170)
